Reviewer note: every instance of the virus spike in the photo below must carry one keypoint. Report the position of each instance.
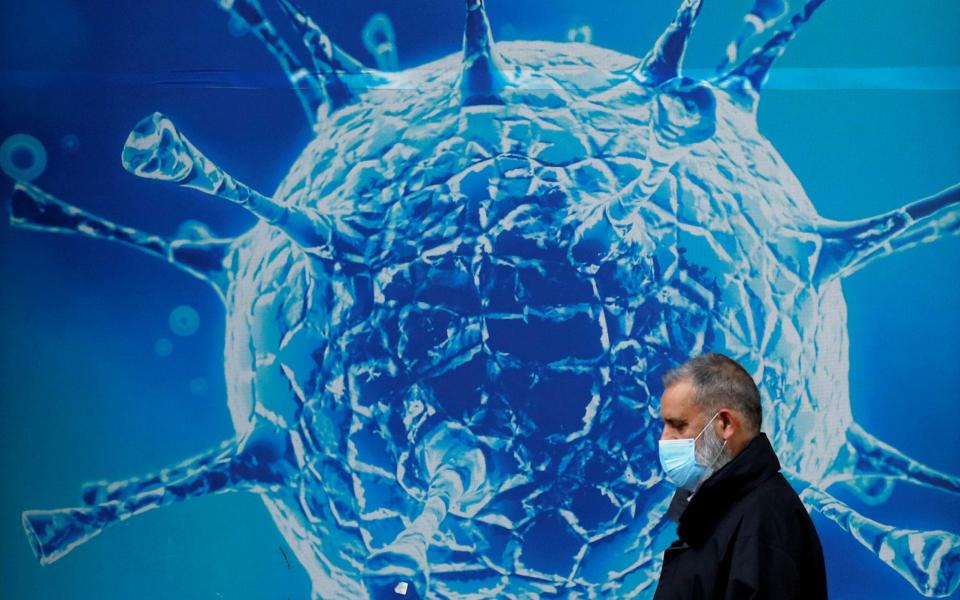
(54, 533)
(458, 483)
(754, 70)
(156, 150)
(330, 61)
(308, 89)
(380, 40)
(404, 560)
(761, 17)
(99, 492)
(482, 77)
(327, 56)
(864, 456)
(850, 246)
(869, 489)
(258, 462)
(33, 208)
(664, 59)
(920, 557)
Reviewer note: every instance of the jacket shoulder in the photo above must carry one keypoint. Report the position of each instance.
(773, 513)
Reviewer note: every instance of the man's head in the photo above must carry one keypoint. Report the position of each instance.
(707, 386)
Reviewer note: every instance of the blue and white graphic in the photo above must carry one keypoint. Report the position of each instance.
(446, 330)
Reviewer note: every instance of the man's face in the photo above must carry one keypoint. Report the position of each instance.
(681, 417)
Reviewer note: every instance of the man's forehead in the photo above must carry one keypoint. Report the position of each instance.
(677, 400)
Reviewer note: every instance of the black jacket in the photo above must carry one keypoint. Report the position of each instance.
(744, 535)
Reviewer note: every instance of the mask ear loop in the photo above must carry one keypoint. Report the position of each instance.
(707, 425)
(722, 448)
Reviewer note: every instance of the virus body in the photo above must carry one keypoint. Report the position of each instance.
(445, 334)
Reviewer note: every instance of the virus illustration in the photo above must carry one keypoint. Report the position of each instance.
(446, 332)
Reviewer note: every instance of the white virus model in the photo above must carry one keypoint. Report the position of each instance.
(446, 333)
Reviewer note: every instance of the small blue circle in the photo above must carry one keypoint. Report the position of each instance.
(163, 347)
(184, 320)
(199, 386)
(237, 26)
(70, 143)
(23, 157)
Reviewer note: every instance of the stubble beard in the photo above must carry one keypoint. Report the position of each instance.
(712, 452)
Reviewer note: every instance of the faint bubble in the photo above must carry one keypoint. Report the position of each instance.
(23, 157)
(191, 229)
(381, 41)
(199, 386)
(237, 26)
(70, 143)
(580, 33)
(184, 320)
(163, 347)
(508, 32)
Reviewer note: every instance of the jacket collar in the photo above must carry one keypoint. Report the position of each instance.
(752, 466)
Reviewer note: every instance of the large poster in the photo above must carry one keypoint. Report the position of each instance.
(373, 299)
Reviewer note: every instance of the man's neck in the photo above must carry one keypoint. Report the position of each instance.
(737, 443)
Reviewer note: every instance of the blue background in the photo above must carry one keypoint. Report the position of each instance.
(85, 396)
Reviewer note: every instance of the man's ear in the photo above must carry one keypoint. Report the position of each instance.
(730, 423)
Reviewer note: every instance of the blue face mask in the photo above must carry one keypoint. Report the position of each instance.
(679, 460)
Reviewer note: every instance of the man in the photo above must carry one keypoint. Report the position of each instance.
(743, 532)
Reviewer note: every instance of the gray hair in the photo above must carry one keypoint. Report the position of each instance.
(720, 382)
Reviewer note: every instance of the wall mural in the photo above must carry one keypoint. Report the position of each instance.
(446, 328)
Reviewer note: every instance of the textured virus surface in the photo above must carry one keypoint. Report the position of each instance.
(446, 332)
